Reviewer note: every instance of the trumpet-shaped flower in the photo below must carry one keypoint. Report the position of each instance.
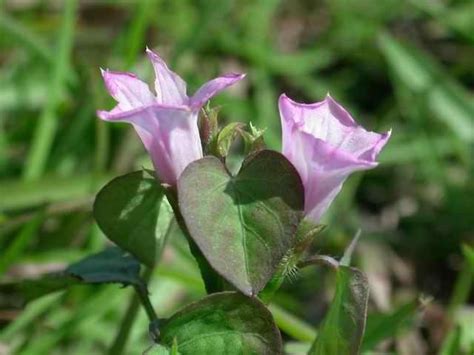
(166, 120)
(325, 145)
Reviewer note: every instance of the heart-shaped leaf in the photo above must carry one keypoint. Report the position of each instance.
(132, 212)
(223, 323)
(243, 224)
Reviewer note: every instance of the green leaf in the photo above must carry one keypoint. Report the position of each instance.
(223, 323)
(343, 327)
(132, 212)
(243, 224)
(158, 349)
(112, 265)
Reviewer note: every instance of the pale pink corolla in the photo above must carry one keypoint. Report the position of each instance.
(325, 145)
(165, 120)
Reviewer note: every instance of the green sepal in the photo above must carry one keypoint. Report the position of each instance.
(253, 140)
(305, 235)
(208, 126)
(221, 142)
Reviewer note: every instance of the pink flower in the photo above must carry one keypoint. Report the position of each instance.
(165, 121)
(325, 145)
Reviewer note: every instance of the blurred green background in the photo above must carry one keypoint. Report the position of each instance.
(406, 65)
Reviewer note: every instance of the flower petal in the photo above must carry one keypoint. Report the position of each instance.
(330, 122)
(323, 170)
(325, 145)
(170, 88)
(129, 91)
(213, 87)
(170, 135)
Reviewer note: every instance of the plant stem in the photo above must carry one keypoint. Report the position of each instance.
(212, 280)
(139, 296)
(293, 326)
(120, 341)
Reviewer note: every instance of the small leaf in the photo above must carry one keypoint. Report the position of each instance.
(132, 212)
(223, 323)
(108, 266)
(343, 327)
(112, 265)
(243, 224)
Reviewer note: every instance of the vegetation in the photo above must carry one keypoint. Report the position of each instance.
(405, 65)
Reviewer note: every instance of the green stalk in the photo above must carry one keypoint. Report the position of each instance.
(293, 326)
(212, 280)
(48, 121)
(118, 346)
(136, 34)
(24, 36)
(120, 341)
(140, 295)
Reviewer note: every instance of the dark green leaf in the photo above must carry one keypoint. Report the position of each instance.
(343, 327)
(132, 212)
(245, 224)
(112, 265)
(223, 323)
